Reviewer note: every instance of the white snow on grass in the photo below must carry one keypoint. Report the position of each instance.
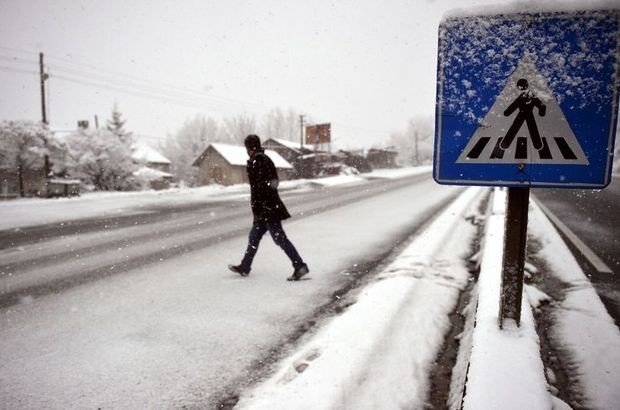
(37, 211)
(505, 367)
(379, 353)
(587, 332)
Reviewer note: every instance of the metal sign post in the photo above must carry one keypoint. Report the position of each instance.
(515, 241)
(523, 101)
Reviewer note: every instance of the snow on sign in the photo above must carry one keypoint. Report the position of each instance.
(527, 99)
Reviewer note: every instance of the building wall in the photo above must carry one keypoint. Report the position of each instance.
(214, 169)
(286, 153)
(160, 166)
(34, 182)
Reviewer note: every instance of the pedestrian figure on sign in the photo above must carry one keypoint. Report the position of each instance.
(525, 102)
(268, 210)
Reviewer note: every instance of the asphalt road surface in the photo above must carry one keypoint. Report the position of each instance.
(140, 311)
(594, 218)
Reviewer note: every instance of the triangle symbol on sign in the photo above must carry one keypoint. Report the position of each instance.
(524, 125)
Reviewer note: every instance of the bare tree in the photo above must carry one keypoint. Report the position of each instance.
(239, 127)
(280, 124)
(415, 144)
(183, 147)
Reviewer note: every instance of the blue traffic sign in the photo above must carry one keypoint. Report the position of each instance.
(527, 100)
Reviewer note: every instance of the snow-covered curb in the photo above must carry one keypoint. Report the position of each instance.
(505, 367)
(581, 322)
(378, 354)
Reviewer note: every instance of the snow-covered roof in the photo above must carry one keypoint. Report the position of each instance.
(237, 155)
(151, 174)
(288, 144)
(143, 152)
(64, 181)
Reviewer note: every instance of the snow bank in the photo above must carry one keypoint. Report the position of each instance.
(587, 332)
(37, 211)
(505, 368)
(378, 354)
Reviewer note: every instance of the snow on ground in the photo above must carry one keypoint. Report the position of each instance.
(171, 333)
(27, 212)
(581, 322)
(379, 352)
(509, 359)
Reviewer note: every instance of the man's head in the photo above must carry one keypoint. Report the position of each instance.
(252, 143)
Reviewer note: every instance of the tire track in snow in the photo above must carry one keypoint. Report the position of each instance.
(299, 204)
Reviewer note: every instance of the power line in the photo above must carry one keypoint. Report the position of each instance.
(139, 87)
(17, 60)
(128, 84)
(158, 83)
(150, 83)
(17, 70)
(137, 93)
(19, 50)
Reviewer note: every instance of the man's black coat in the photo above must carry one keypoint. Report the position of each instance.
(265, 201)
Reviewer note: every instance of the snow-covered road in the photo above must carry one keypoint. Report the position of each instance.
(176, 328)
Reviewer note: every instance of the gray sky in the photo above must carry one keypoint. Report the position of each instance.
(365, 66)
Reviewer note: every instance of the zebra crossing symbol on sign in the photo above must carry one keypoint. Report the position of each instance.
(527, 99)
(524, 125)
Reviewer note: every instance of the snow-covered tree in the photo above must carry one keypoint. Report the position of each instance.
(415, 144)
(102, 159)
(280, 124)
(116, 125)
(24, 146)
(183, 147)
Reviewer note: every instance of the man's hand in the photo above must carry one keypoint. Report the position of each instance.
(274, 183)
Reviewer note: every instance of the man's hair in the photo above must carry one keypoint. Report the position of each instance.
(252, 142)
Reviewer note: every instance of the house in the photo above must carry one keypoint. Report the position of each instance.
(225, 164)
(155, 167)
(31, 182)
(382, 158)
(355, 159)
(289, 150)
(307, 162)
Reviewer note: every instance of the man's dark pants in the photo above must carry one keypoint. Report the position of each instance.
(279, 237)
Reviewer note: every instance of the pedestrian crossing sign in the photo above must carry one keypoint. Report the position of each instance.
(527, 99)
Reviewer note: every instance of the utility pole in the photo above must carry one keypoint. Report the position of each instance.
(417, 159)
(301, 145)
(43, 77)
(301, 131)
(96, 121)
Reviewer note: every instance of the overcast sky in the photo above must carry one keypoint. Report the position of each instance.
(365, 66)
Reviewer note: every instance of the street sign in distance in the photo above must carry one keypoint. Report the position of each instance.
(527, 100)
(318, 134)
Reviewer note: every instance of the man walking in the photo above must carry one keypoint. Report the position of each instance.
(268, 210)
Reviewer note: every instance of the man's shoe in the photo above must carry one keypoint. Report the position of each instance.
(300, 272)
(237, 269)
